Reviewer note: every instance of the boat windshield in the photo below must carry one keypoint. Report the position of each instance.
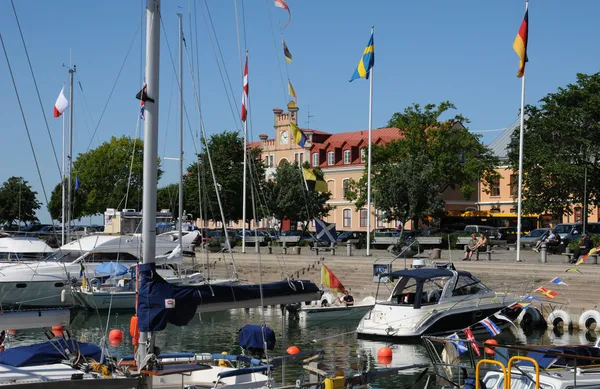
(466, 285)
(63, 256)
(418, 292)
(10, 256)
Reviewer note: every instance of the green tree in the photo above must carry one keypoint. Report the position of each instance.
(561, 140)
(104, 176)
(18, 202)
(227, 153)
(168, 198)
(78, 197)
(288, 198)
(431, 157)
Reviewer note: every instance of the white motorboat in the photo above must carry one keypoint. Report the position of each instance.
(23, 248)
(431, 300)
(402, 354)
(41, 283)
(336, 311)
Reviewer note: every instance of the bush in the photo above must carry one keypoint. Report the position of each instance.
(574, 245)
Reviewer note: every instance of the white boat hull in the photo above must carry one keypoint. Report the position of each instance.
(334, 312)
(207, 378)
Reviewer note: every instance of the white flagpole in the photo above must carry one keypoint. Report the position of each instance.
(369, 157)
(62, 234)
(245, 168)
(520, 194)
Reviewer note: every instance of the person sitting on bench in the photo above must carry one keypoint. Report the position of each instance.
(549, 238)
(482, 245)
(585, 245)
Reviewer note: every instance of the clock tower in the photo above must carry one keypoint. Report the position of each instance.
(281, 122)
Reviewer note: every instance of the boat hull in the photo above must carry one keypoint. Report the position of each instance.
(334, 312)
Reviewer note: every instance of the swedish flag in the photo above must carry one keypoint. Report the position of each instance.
(366, 62)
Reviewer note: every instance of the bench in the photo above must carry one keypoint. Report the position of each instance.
(287, 239)
(254, 239)
(593, 256)
(429, 240)
(330, 248)
(385, 240)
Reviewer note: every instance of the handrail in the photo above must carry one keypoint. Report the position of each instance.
(528, 359)
(491, 362)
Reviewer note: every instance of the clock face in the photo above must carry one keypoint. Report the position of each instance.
(283, 137)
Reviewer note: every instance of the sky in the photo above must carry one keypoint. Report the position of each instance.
(425, 52)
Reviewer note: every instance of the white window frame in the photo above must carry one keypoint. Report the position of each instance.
(363, 155)
(360, 217)
(344, 181)
(331, 158)
(315, 159)
(347, 157)
(333, 186)
(349, 224)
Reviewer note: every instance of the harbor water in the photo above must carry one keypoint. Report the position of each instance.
(218, 332)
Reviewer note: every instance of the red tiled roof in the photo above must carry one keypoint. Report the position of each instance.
(253, 145)
(318, 132)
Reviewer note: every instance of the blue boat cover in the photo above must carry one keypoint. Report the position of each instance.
(113, 269)
(49, 352)
(251, 337)
(161, 302)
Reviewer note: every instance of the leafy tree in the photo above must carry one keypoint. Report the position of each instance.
(78, 197)
(104, 174)
(431, 157)
(168, 198)
(227, 153)
(288, 198)
(17, 201)
(561, 140)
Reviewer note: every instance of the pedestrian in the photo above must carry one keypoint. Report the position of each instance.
(482, 245)
(470, 247)
(585, 245)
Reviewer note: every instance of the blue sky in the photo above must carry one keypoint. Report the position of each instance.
(426, 52)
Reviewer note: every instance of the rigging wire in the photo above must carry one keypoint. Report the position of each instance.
(37, 90)
(276, 50)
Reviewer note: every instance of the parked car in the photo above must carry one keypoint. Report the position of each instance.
(260, 233)
(357, 238)
(509, 234)
(305, 236)
(490, 232)
(531, 239)
(563, 229)
(575, 233)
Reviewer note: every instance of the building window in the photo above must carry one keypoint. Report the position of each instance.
(347, 157)
(495, 187)
(380, 222)
(578, 215)
(363, 155)
(315, 161)
(514, 185)
(345, 187)
(347, 218)
(272, 164)
(363, 217)
(331, 158)
(301, 158)
(296, 157)
(267, 161)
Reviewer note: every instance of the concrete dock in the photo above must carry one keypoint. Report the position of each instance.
(502, 273)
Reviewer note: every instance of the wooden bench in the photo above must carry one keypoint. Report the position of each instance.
(284, 240)
(593, 256)
(429, 240)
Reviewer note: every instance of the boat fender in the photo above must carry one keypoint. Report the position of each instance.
(134, 330)
(63, 295)
(560, 318)
(450, 357)
(531, 318)
(590, 320)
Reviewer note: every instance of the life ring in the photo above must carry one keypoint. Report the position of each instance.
(590, 320)
(560, 318)
(531, 318)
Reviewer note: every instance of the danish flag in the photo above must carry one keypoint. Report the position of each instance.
(245, 94)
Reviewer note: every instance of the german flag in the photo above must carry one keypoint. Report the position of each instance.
(520, 44)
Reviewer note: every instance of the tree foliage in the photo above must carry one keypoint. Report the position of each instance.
(18, 202)
(227, 154)
(561, 139)
(78, 198)
(167, 197)
(410, 174)
(104, 176)
(288, 198)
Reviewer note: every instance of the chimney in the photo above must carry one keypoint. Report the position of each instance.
(263, 137)
(276, 113)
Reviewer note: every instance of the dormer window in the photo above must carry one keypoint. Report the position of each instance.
(315, 159)
(363, 155)
(347, 157)
(331, 158)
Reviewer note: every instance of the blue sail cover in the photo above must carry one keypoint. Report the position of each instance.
(161, 302)
(251, 337)
(49, 352)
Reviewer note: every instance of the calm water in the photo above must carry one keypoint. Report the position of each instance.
(217, 332)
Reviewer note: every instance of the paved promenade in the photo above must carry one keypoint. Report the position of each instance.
(502, 273)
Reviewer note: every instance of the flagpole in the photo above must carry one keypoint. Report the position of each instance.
(180, 231)
(70, 155)
(62, 234)
(245, 168)
(520, 191)
(369, 157)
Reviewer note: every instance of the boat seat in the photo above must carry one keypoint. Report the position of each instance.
(434, 296)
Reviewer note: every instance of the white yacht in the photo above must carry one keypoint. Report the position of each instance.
(429, 301)
(23, 248)
(41, 283)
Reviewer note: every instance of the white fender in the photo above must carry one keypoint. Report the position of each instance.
(560, 317)
(450, 356)
(533, 317)
(590, 320)
(330, 298)
(63, 296)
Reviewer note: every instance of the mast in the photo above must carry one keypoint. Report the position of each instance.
(150, 152)
(180, 132)
(244, 86)
(63, 215)
(369, 158)
(70, 155)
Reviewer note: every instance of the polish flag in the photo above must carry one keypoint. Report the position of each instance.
(245, 94)
(61, 103)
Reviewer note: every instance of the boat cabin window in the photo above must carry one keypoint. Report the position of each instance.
(407, 291)
(99, 256)
(7, 256)
(467, 285)
(64, 256)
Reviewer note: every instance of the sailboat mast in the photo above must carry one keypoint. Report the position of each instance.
(150, 147)
(70, 156)
(62, 174)
(180, 131)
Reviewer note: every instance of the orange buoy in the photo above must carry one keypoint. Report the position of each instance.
(292, 350)
(489, 350)
(384, 360)
(134, 330)
(11, 332)
(384, 352)
(58, 332)
(57, 328)
(115, 337)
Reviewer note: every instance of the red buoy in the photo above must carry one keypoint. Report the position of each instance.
(134, 330)
(384, 360)
(57, 328)
(384, 352)
(292, 350)
(489, 350)
(115, 337)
